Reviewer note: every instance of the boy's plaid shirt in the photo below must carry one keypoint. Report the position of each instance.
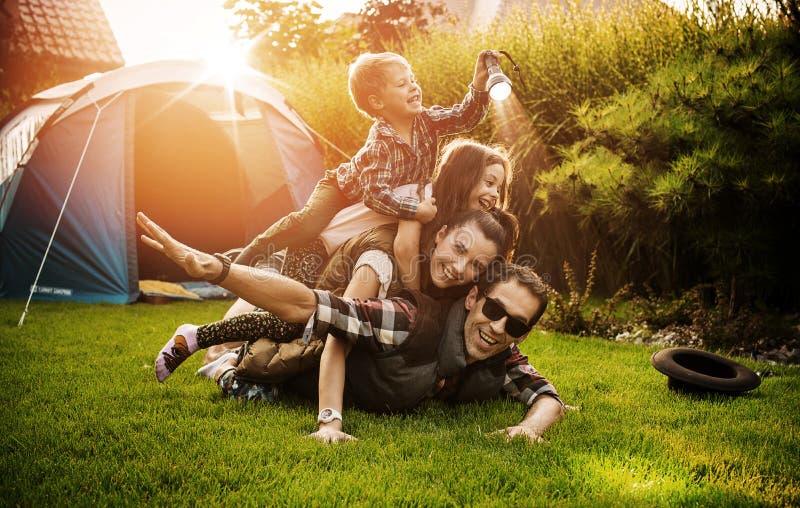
(384, 324)
(387, 161)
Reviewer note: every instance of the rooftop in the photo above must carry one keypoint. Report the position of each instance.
(73, 31)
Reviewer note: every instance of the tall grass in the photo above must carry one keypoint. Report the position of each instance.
(573, 59)
(566, 55)
(86, 424)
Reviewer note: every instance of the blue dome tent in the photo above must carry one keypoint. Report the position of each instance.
(215, 159)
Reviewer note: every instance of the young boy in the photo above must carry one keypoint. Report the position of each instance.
(401, 148)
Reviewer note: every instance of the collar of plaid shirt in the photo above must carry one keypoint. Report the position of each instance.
(385, 129)
(453, 350)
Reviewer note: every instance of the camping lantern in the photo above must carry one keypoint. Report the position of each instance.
(498, 84)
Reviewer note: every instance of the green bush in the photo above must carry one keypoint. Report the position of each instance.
(693, 178)
(572, 312)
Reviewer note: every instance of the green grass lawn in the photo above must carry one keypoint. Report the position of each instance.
(85, 422)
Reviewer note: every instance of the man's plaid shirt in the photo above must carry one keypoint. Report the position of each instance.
(384, 324)
(387, 161)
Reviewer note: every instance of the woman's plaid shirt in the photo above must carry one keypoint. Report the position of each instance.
(384, 324)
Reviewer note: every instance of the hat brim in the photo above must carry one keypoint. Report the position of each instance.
(696, 370)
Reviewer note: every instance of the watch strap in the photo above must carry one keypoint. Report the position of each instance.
(226, 267)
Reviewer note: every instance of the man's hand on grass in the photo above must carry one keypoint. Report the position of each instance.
(519, 431)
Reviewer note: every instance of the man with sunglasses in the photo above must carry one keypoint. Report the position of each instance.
(405, 349)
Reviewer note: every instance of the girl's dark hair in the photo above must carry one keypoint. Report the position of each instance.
(460, 168)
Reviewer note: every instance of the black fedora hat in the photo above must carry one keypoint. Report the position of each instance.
(695, 370)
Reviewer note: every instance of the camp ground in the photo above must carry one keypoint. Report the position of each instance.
(215, 159)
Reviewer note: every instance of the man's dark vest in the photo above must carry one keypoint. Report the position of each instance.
(400, 379)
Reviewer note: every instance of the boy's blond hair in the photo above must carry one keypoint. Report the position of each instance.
(367, 77)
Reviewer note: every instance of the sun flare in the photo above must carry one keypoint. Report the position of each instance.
(226, 59)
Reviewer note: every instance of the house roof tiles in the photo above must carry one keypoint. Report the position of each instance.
(69, 29)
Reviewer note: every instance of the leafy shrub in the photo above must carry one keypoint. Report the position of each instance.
(571, 313)
(694, 177)
(706, 316)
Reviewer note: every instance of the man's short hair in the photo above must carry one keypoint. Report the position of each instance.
(499, 273)
(367, 77)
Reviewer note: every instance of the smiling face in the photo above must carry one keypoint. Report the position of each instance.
(484, 337)
(485, 193)
(401, 98)
(460, 256)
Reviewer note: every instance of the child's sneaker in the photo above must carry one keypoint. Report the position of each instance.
(210, 369)
(180, 347)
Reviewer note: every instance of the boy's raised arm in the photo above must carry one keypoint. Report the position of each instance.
(481, 75)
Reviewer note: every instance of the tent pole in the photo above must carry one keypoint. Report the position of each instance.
(316, 133)
(64, 205)
(65, 104)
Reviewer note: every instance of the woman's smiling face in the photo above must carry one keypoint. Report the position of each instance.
(485, 193)
(460, 256)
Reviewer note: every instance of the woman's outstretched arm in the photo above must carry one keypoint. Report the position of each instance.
(363, 284)
(288, 299)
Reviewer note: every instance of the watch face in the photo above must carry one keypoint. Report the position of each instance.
(325, 415)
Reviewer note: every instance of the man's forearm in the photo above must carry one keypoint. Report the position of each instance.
(544, 412)
(286, 298)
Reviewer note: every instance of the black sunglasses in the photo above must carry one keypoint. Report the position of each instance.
(492, 309)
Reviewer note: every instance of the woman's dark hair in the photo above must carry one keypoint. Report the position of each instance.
(499, 226)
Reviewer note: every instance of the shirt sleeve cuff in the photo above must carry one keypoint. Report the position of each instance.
(318, 324)
(480, 96)
(408, 208)
(546, 393)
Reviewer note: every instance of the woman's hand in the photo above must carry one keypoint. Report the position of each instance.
(196, 263)
(328, 433)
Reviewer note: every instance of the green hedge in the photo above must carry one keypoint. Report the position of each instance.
(693, 177)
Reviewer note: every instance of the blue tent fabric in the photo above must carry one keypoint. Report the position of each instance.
(88, 260)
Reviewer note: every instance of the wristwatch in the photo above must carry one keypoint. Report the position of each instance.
(327, 415)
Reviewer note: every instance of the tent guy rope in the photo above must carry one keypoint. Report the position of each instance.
(66, 199)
